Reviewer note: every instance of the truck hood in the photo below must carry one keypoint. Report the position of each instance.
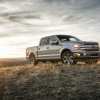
(87, 43)
(82, 42)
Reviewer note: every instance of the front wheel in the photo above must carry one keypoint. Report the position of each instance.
(67, 58)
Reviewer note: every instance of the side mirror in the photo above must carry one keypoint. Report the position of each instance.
(54, 42)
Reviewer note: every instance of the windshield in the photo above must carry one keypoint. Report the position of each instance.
(65, 38)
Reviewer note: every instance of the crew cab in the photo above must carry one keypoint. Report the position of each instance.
(65, 48)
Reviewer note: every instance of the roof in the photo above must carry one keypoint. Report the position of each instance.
(56, 35)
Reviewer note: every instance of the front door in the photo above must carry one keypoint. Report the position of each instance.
(54, 48)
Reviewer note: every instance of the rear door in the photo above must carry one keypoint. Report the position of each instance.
(43, 48)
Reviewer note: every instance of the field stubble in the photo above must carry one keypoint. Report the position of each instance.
(50, 82)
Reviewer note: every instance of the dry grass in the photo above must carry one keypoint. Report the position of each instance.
(50, 82)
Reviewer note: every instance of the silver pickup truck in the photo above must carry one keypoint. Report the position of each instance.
(65, 48)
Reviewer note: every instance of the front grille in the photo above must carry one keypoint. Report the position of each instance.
(95, 54)
(90, 48)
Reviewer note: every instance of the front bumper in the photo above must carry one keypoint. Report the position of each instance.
(87, 55)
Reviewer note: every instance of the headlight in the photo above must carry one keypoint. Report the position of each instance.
(76, 46)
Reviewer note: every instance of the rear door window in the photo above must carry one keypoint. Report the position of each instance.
(44, 41)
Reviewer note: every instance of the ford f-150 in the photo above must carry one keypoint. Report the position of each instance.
(65, 48)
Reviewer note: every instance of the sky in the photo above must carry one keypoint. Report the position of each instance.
(24, 22)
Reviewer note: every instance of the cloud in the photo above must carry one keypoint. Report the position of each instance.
(23, 22)
(75, 3)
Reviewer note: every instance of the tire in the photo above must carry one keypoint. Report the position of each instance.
(33, 60)
(67, 58)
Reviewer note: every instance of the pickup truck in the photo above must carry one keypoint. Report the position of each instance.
(65, 48)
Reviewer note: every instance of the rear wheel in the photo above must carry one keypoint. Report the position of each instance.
(33, 59)
(67, 58)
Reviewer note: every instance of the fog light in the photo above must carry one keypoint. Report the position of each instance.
(77, 54)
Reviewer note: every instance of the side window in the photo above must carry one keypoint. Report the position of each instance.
(53, 40)
(44, 41)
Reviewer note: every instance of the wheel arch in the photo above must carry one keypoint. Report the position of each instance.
(64, 51)
(32, 58)
(31, 54)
